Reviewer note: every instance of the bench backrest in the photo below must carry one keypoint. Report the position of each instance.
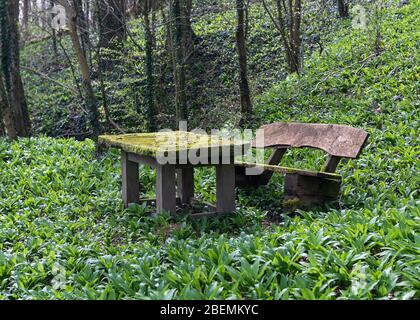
(336, 140)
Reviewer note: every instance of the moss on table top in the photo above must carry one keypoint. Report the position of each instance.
(151, 143)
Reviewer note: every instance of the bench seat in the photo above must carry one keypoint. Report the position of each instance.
(287, 170)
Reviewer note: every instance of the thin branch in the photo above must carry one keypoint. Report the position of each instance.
(72, 69)
(271, 16)
(115, 125)
(279, 26)
(44, 76)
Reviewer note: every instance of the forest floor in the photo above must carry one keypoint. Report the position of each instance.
(64, 233)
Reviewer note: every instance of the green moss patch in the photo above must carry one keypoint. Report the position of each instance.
(150, 143)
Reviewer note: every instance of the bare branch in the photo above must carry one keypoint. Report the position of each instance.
(44, 76)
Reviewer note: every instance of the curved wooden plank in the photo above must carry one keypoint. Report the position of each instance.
(337, 140)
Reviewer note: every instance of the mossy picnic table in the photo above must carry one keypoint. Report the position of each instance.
(174, 155)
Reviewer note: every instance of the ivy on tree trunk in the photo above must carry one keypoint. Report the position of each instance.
(179, 61)
(14, 100)
(150, 98)
(246, 106)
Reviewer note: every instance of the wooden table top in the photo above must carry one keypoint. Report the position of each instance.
(151, 143)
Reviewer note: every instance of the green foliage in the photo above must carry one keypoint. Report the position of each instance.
(61, 210)
(56, 109)
(349, 84)
(212, 80)
(65, 235)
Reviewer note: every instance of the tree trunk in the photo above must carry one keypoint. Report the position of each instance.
(179, 62)
(9, 14)
(6, 117)
(246, 106)
(162, 64)
(83, 28)
(3, 106)
(25, 12)
(188, 33)
(343, 8)
(295, 40)
(54, 35)
(134, 9)
(2, 129)
(150, 99)
(289, 26)
(87, 12)
(91, 100)
(43, 22)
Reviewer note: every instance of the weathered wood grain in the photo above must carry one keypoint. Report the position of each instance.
(274, 159)
(310, 190)
(130, 180)
(185, 184)
(337, 140)
(287, 170)
(142, 159)
(331, 163)
(178, 143)
(225, 188)
(243, 180)
(165, 189)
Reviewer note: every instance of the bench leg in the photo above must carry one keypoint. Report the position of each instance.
(165, 189)
(225, 188)
(185, 184)
(305, 191)
(130, 180)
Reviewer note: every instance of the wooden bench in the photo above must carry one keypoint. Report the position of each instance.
(304, 187)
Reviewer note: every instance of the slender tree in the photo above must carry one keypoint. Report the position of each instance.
(54, 35)
(6, 117)
(288, 24)
(25, 12)
(3, 105)
(90, 97)
(188, 33)
(112, 28)
(133, 8)
(246, 106)
(13, 95)
(343, 8)
(2, 128)
(83, 29)
(150, 98)
(179, 60)
(295, 36)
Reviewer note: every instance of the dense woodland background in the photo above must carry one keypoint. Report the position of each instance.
(142, 65)
(138, 66)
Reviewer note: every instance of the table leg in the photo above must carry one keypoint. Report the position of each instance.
(185, 184)
(130, 180)
(225, 188)
(165, 189)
